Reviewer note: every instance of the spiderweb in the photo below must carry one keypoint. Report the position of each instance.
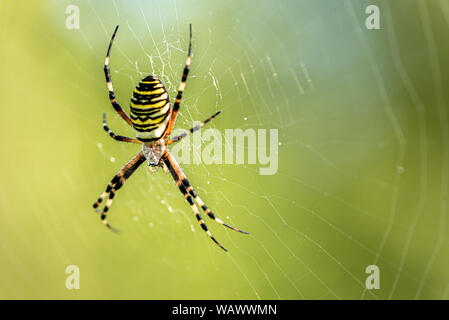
(363, 147)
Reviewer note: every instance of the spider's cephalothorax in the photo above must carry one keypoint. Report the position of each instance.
(153, 152)
(153, 120)
(150, 109)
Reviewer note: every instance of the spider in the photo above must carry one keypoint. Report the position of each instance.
(153, 118)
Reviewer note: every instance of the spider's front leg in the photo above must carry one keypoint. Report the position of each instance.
(174, 170)
(115, 184)
(181, 178)
(188, 192)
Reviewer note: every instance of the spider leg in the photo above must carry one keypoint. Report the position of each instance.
(205, 208)
(181, 88)
(174, 169)
(115, 184)
(107, 73)
(192, 130)
(182, 177)
(116, 137)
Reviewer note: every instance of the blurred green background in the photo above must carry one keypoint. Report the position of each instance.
(363, 157)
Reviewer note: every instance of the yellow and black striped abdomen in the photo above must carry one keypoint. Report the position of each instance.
(150, 109)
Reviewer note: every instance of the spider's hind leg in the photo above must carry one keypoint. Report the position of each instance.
(107, 73)
(181, 88)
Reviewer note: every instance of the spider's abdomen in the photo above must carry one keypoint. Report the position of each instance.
(150, 109)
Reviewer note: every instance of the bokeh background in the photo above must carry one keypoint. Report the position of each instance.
(363, 150)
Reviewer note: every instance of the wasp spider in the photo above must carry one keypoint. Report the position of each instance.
(153, 119)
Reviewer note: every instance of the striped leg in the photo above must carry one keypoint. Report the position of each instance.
(192, 130)
(188, 186)
(203, 206)
(181, 88)
(114, 136)
(107, 73)
(174, 169)
(115, 184)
